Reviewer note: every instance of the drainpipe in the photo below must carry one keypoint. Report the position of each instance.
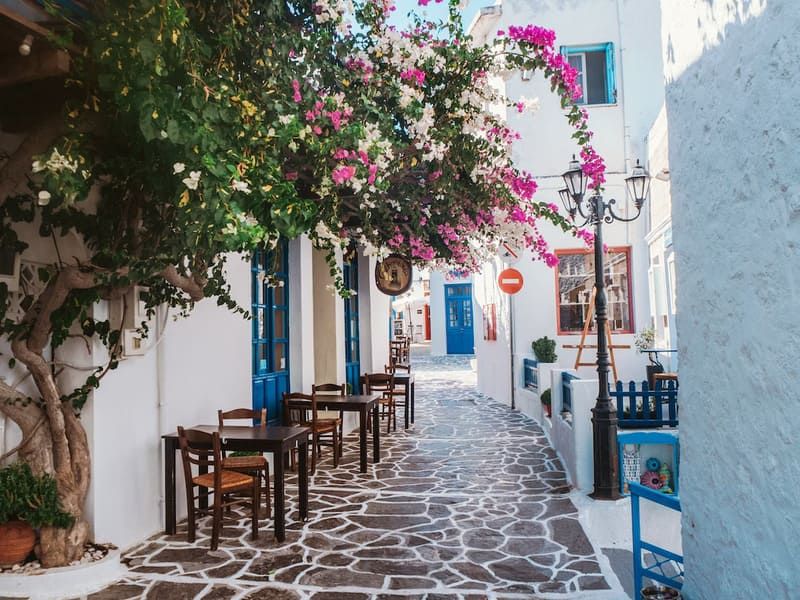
(162, 314)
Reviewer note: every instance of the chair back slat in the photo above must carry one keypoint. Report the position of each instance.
(329, 389)
(299, 408)
(240, 414)
(201, 449)
(394, 367)
(379, 382)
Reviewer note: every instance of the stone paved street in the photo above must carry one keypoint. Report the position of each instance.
(469, 503)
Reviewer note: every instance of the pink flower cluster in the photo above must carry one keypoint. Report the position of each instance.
(296, 89)
(531, 34)
(360, 65)
(344, 173)
(593, 167)
(337, 117)
(421, 250)
(413, 74)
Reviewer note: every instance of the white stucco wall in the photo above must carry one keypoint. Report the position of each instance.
(732, 92)
(620, 130)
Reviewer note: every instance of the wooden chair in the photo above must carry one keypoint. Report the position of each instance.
(301, 409)
(203, 450)
(333, 389)
(383, 383)
(250, 463)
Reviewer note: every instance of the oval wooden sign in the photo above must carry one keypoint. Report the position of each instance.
(393, 275)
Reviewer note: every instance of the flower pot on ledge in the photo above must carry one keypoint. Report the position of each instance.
(17, 539)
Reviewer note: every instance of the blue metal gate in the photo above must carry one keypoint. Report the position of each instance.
(458, 312)
(270, 310)
(352, 352)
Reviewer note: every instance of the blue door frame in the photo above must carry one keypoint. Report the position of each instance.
(352, 350)
(459, 318)
(270, 334)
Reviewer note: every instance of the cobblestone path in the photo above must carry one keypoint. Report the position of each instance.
(469, 503)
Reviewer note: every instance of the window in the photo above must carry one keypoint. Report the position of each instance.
(595, 66)
(574, 283)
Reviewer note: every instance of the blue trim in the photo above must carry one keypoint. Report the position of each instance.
(270, 330)
(566, 390)
(459, 318)
(352, 337)
(660, 557)
(651, 438)
(530, 369)
(611, 82)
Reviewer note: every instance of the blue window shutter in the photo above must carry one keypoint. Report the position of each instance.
(611, 84)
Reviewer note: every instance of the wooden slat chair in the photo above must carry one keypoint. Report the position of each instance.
(301, 409)
(323, 389)
(203, 450)
(250, 463)
(383, 383)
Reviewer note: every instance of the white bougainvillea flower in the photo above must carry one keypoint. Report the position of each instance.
(192, 180)
(241, 186)
(178, 168)
(38, 166)
(44, 198)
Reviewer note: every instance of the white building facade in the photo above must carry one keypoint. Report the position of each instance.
(616, 46)
(733, 124)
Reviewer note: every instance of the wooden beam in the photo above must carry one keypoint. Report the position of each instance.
(42, 63)
(26, 23)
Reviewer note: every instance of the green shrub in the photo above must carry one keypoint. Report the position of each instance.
(545, 350)
(545, 397)
(26, 497)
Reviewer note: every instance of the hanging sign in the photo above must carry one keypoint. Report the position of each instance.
(508, 253)
(393, 275)
(510, 281)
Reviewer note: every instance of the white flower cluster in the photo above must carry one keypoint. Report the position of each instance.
(55, 164)
(324, 233)
(241, 186)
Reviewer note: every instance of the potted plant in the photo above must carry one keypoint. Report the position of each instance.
(545, 398)
(27, 501)
(545, 350)
(644, 340)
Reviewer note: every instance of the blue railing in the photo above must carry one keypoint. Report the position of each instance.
(531, 373)
(651, 561)
(645, 408)
(566, 391)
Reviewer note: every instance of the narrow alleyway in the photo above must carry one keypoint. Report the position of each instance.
(469, 503)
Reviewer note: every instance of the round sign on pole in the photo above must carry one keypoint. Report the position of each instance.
(508, 253)
(510, 281)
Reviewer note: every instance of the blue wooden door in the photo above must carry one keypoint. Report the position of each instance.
(270, 310)
(458, 312)
(352, 351)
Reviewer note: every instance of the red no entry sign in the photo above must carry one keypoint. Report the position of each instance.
(510, 281)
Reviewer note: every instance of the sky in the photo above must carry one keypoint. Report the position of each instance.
(434, 11)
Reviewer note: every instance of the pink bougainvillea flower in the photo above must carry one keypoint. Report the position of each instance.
(296, 88)
(342, 174)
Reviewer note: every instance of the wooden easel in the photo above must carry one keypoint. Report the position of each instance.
(580, 346)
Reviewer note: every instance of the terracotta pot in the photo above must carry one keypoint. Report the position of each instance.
(16, 542)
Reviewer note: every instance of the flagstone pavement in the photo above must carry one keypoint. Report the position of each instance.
(469, 503)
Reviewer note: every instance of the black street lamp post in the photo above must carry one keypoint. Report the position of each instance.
(595, 210)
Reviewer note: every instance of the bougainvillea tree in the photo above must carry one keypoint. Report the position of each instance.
(192, 130)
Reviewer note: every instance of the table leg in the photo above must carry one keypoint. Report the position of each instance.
(302, 479)
(362, 438)
(413, 393)
(407, 399)
(376, 434)
(170, 516)
(280, 499)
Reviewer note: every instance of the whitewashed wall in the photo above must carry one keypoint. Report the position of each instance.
(732, 90)
(545, 149)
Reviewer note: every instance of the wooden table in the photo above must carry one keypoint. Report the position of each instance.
(361, 404)
(407, 381)
(277, 440)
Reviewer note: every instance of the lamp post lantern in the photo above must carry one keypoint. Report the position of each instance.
(595, 210)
